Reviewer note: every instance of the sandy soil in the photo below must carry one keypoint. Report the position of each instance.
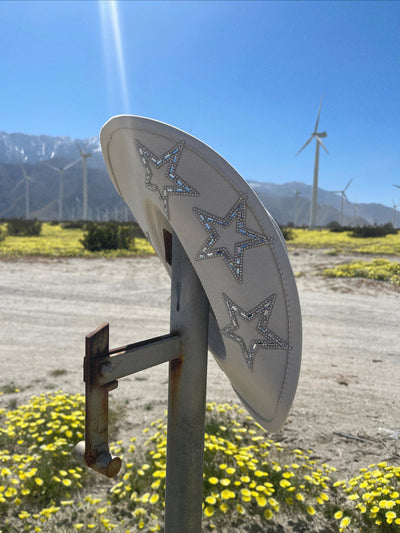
(347, 405)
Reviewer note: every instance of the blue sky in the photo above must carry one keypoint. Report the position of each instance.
(244, 77)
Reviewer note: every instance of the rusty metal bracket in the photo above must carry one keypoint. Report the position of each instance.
(102, 368)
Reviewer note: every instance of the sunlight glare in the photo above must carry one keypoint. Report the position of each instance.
(113, 49)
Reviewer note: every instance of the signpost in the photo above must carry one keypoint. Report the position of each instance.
(232, 291)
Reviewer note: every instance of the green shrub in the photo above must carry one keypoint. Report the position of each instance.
(287, 233)
(107, 236)
(3, 234)
(336, 227)
(24, 228)
(136, 229)
(74, 224)
(373, 231)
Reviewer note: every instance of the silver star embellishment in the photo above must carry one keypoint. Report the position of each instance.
(250, 328)
(167, 182)
(223, 235)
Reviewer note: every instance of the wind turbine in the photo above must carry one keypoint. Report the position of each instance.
(296, 196)
(344, 197)
(25, 179)
(317, 136)
(395, 206)
(84, 156)
(317, 215)
(355, 213)
(60, 170)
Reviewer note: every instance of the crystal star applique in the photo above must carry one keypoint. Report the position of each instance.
(167, 181)
(223, 237)
(250, 328)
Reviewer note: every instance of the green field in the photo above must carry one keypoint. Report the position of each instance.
(56, 241)
(344, 243)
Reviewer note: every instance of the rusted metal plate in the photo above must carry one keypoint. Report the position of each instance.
(95, 452)
(139, 356)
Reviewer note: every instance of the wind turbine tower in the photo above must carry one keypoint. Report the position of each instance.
(27, 179)
(355, 210)
(317, 136)
(84, 156)
(394, 216)
(296, 197)
(344, 197)
(61, 170)
(395, 206)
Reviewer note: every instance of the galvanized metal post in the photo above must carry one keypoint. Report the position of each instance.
(186, 398)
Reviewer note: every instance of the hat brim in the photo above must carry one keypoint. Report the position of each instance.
(173, 182)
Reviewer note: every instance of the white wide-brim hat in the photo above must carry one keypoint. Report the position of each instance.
(173, 182)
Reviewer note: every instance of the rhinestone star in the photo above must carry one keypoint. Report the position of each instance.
(166, 182)
(251, 328)
(223, 234)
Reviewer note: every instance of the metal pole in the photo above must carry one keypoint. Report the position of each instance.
(60, 201)
(85, 189)
(314, 198)
(27, 198)
(186, 398)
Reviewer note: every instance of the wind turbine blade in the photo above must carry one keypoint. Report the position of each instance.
(398, 186)
(322, 144)
(347, 185)
(18, 184)
(319, 112)
(24, 171)
(70, 165)
(37, 183)
(79, 148)
(344, 195)
(308, 142)
(51, 166)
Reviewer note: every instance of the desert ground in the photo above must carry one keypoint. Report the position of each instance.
(347, 404)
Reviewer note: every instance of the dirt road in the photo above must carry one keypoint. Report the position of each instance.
(347, 407)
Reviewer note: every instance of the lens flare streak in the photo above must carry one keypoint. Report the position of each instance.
(113, 51)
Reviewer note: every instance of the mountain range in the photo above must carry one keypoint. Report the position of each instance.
(34, 151)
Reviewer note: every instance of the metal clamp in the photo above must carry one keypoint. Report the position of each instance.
(102, 369)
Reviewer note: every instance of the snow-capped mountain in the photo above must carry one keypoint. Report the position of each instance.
(32, 150)
(17, 148)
